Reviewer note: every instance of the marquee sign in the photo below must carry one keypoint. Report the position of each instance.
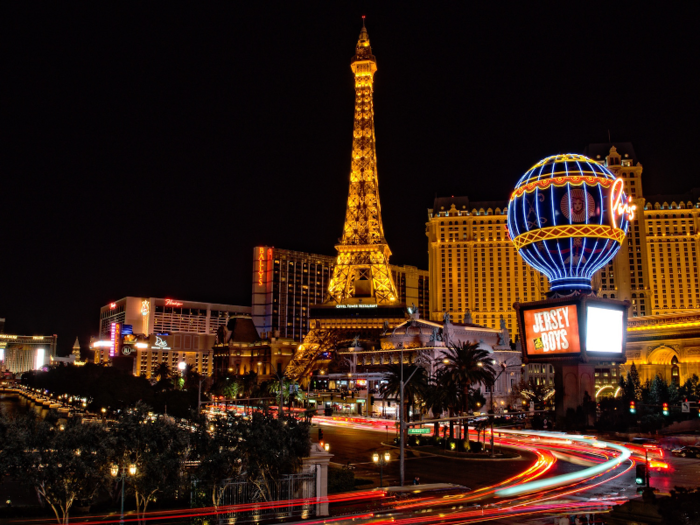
(552, 330)
(576, 328)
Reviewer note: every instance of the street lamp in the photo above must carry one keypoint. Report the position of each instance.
(402, 423)
(504, 366)
(120, 474)
(327, 447)
(381, 461)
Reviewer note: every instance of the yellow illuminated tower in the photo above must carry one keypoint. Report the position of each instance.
(362, 268)
(362, 276)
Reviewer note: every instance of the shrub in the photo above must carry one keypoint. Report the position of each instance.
(340, 480)
(476, 446)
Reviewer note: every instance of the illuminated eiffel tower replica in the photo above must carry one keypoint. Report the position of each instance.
(362, 301)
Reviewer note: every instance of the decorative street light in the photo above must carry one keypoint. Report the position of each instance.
(504, 367)
(120, 474)
(381, 461)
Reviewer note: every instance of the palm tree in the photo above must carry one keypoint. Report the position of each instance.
(163, 371)
(437, 397)
(413, 390)
(465, 365)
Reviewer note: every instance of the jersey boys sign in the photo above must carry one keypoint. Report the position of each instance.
(553, 330)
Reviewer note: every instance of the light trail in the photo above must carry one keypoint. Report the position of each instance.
(571, 477)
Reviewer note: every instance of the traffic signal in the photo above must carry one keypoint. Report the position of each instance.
(665, 409)
(633, 408)
(641, 474)
(320, 434)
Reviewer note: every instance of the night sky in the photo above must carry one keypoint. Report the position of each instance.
(148, 147)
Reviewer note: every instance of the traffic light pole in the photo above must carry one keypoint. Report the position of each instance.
(646, 463)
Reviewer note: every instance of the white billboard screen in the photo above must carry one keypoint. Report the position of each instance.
(604, 330)
(39, 358)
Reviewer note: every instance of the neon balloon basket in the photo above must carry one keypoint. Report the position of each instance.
(567, 218)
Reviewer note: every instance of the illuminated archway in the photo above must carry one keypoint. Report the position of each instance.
(662, 355)
(601, 389)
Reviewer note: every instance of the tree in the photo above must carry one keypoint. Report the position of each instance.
(158, 447)
(220, 453)
(63, 466)
(290, 390)
(271, 447)
(436, 397)
(164, 375)
(468, 365)
(539, 394)
(636, 383)
(232, 389)
(658, 391)
(674, 394)
(412, 391)
(691, 388)
(192, 379)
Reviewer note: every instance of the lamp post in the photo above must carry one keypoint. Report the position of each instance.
(120, 474)
(381, 460)
(504, 367)
(402, 423)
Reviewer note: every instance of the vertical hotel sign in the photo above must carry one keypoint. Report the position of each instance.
(264, 265)
(115, 336)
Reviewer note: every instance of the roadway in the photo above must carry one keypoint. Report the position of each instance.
(605, 477)
(357, 446)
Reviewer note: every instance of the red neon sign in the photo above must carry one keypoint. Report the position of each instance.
(112, 306)
(617, 205)
(172, 302)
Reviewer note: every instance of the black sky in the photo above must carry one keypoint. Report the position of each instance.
(149, 146)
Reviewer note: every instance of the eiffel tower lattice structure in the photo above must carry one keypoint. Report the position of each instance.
(362, 272)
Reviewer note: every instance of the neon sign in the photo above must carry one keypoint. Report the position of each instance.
(261, 263)
(146, 307)
(568, 217)
(617, 205)
(170, 302)
(160, 344)
(114, 338)
(112, 306)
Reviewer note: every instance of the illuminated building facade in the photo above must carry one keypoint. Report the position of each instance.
(672, 224)
(150, 331)
(474, 267)
(666, 344)
(286, 284)
(146, 353)
(239, 350)
(655, 269)
(660, 273)
(362, 295)
(147, 315)
(21, 353)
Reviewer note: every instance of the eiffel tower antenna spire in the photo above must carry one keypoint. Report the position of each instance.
(362, 268)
